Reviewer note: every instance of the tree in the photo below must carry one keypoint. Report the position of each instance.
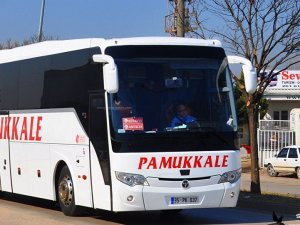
(267, 32)
(33, 39)
(241, 101)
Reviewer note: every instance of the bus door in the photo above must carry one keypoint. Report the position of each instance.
(98, 131)
(5, 173)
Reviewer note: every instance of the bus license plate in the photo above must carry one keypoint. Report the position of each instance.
(184, 200)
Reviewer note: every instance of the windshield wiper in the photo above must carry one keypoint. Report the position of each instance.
(178, 128)
(191, 126)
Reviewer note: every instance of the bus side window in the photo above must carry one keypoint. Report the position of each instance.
(97, 123)
(98, 132)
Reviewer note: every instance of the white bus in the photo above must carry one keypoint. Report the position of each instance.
(88, 123)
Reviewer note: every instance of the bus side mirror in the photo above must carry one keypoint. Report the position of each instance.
(110, 72)
(248, 70)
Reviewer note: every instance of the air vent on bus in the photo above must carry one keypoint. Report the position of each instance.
(180, 179)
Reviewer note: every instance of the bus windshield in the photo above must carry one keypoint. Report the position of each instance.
(162, 99)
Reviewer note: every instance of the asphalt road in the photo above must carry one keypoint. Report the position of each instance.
(286, 184)
(17, 210)
(283, 184)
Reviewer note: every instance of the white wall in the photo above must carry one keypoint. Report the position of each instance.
(280, 106)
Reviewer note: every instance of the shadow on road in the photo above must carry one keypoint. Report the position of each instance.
(251, 209)
(47, 204)
(192, 217)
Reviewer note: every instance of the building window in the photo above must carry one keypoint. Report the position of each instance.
(276, 115)
(284, 115)
(280, 115)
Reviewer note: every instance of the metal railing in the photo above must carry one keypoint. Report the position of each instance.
(274, 125)
(272, 136)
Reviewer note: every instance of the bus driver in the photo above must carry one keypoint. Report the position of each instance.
(183, 116)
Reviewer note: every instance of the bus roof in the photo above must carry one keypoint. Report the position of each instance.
(59, 46)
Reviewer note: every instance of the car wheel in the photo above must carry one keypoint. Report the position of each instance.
(66, 194)
(271, 171)
(298, 172)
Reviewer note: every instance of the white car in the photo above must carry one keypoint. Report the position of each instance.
(287, 160)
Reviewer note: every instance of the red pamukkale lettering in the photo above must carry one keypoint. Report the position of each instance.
(1, 127)
(187, 162)
(180, 162)
(38, 129)
(197, 163)
(165, 162)
(152, 163)
(225, 161)
(6, 128)
(217, 161)
(31, 137)
(143, 161)
(24, 130)
(16, 128)
(208, 162)
(177, 163)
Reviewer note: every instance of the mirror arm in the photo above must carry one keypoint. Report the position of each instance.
(110, 72)
(248, 70)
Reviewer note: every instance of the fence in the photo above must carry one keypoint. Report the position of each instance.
(274, 125)
(273, 135)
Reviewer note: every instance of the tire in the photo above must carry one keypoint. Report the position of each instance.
(66, 194)
(271, 171)
(298, 172)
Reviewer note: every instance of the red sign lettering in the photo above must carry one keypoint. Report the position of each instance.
(143, 160)
(183, 162)
(165, 162)
(133, 123)
(285, 75)
(16, 128)
(14, 135)
(152, 163)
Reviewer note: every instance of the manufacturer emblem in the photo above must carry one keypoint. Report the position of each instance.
(185, 184)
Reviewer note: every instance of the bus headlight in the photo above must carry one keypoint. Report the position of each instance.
(131, 179)
(231, 176)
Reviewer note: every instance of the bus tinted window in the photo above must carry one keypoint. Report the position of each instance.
(54, 81)
(155, 85)
(70, 87)
(31, 82)
(9, 77)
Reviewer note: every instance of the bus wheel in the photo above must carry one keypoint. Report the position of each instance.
(66, 194)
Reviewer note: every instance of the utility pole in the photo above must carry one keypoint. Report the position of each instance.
(180, 20)
(40, 32)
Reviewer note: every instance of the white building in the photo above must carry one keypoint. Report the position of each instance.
(283, 95)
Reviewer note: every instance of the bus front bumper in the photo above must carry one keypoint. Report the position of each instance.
(212, 196)
(176, 197)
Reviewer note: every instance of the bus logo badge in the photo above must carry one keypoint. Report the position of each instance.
(185, 184)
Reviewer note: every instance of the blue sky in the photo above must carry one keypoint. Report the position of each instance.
(67, 19)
